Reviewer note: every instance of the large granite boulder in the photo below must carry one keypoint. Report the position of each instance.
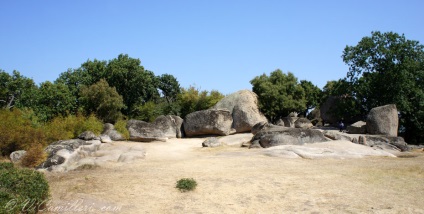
(163, 128)
(243, 106)
(208, 122)
(359, 127)
(383, 120)
(110, 131)
(272, 135)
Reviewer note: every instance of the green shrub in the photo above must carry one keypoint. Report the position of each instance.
(22, 190)
(62, 128)
(121, 127)
(186, 184)
(18, 132)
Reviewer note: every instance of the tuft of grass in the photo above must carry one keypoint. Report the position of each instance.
(186, 184)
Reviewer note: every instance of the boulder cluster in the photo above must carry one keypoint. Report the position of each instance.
(236, 113)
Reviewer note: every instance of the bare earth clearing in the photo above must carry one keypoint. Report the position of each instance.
(239, 180)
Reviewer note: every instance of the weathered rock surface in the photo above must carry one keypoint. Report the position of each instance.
(110, 131)
(259, 126)
(17, 156)
(208, 122)
(303, 123)
(163, 128)
(339, 149)
(277, 135)
(383, 120)
(384, 142)
(105, 139)
(243, 106)
(337, 135)
(287, 121)
(375, 141)
(68, 151)
(236, 140)
(211, 142)
(87, 135)
(69, 155)
(359, 127)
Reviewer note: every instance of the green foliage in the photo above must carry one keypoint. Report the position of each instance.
(347, 106)
(136, 85)
(279, 94)
(22, 190)
(147, 112)
(16, 90)
(18, 132)
(169, 87)
(62, 128)
(54, 100)
(102, 100)
(386, 68)
(192, 99)
(312, 95)
(121, 127)
(186, 184)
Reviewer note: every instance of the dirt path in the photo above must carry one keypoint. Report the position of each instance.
(238, 180)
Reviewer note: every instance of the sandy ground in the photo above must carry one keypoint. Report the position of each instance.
(239, 180)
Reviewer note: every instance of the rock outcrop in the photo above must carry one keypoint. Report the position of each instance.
(383, 120)
(303, 123)
(74, 154)
(17, 156)
(87, 135)
(272, 135)
(66, 152)
(208, 122)
(163, 128)
(243, 106)
(211, 142)
(359, 127)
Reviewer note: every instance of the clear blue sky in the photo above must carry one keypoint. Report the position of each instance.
(215, 44)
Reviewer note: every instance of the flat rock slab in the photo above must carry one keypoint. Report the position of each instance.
(339, 149)
(236, 140)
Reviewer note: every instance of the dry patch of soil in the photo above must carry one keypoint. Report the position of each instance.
(239, 180)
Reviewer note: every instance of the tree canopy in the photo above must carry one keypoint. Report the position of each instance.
(387, 68)
(279, 94)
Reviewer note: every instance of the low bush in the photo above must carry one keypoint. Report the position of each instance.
(34, 156)
(62, 128)
(22, 190)
(18, 132)
(186, 184)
